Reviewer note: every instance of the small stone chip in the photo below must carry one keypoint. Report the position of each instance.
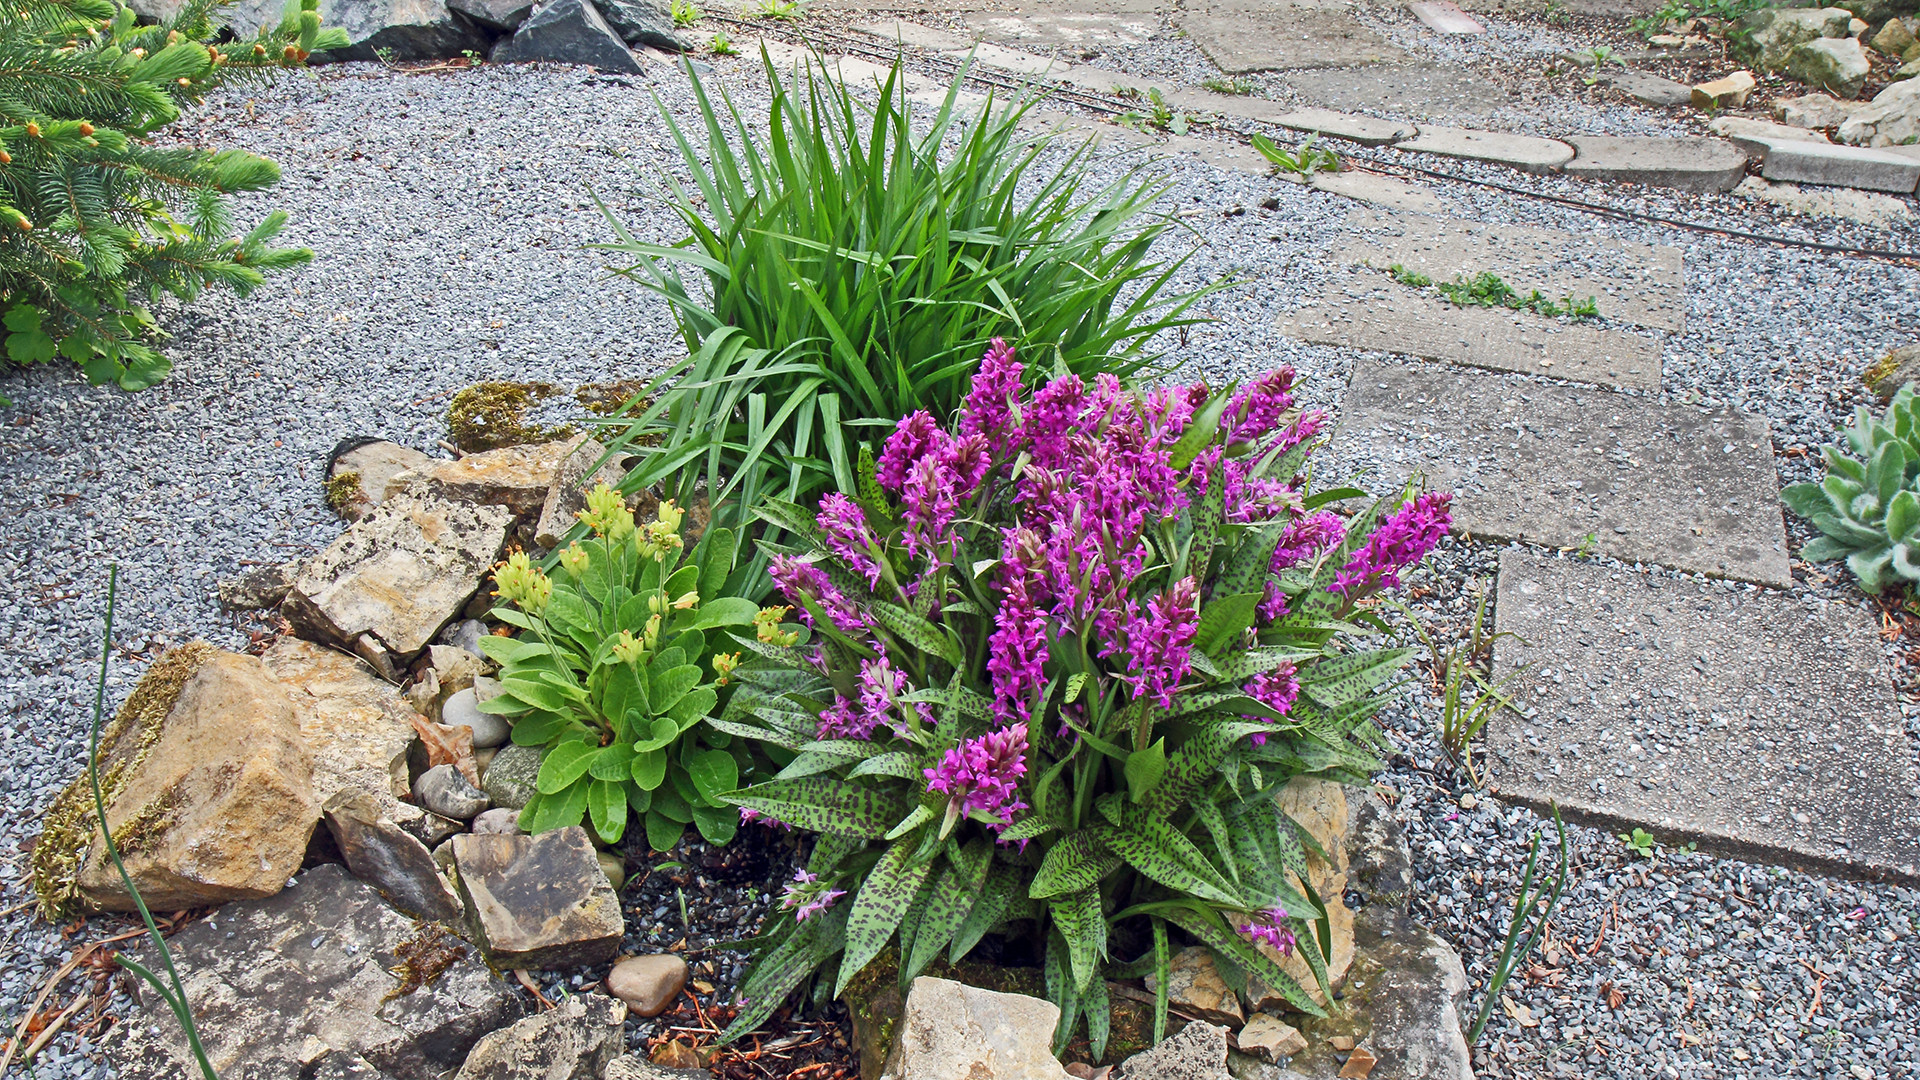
(1358, 1065)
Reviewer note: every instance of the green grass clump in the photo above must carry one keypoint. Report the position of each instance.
(1486, 289)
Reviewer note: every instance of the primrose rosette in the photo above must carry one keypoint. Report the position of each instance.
(1045, 671)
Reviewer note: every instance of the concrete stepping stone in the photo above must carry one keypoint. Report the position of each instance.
(1117, 22)
(954, 46)
(1528, 153)
(1648, 87)
(1566, 466)
(1380, 190)
(1225, 153)
(1446, 17)
(1439, 92)
(1398, 319)
(1244, 36)
(1761, 725)
(1368, 130)
(1755, 136)
(1643, 284)
(1690, 164)
(1841, 166)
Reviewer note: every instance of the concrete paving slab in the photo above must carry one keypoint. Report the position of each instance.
(1415, 91)
(1446, 17)
(1229, 154)
(1285, 35)
(1677, 486)
(1117, 23)
(1368, 130)
(1841, 166)
(1762, 726)
(1643, 284)
(912, 33)
(1524, 152)
(1381, 191)
(949, 44)
(1689, 164)
(1754, 136)
(1394, 318)
(1074, 128)
(1100, 80)
(1648, 87)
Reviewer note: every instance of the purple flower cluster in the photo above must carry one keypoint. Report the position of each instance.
(1277, 690)
(1302, 540)
(806, 897)
(749, 817)
(797, 578)
(997, 389)
(1401, 541)
(849, 537)
(983, 774)
(1269, 928)
(1158, 644)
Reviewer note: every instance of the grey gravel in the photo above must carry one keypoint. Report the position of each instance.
(447, 212)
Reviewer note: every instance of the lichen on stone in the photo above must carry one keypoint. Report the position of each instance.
(343, 491)
(492, 415)
(424, 957)
(125, 741)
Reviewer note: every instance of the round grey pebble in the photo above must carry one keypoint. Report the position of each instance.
(444, 791)
(499, 821)
(462, 710)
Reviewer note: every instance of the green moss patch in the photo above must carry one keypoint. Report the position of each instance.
(492, 415)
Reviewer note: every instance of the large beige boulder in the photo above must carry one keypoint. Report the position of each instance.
(209, 793)
(516, 477)
(1891, 119)
(952, 1031)
(355, 724)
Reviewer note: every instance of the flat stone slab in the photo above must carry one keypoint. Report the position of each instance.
(1527, 153)
(1648, 87)
(1380, 190)
(1369, 130)
(1223, 153)
(1689, 164)
(1397, 319)
(1643, 284)
(1567, 466)
(1841, 166)
(1118, 23)
(1288, 34)
(1755, 136)
(1415, 91)
(1760, 725)
(1446, 17)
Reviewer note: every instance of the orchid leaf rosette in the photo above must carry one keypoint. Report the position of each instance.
(1043, 675)
(622, 652)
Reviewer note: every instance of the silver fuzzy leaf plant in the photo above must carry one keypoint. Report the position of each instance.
(1867, 508)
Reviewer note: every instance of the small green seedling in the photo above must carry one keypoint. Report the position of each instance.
(720, 46)
(1305, 159)
(1639, 841)
(684, 13)
(1236, 87)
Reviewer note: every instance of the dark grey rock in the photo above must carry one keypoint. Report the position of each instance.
(575, 1040)
(1675, 485)
(1895, 370)
(568, 32)
(635, 1067)
(539, 901)
(466, 634)
(260, 587)
(1197, 1052)
(1761, 725)
(509, 779)
(502, 15)
(1402, 1001)
(388, 857)
(642, 22)
(1379, 863)
(412, 29)
(444, 791)
(306, 976)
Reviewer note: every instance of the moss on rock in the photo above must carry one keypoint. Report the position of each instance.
(492, 415)
(343, 491)
(71, 823)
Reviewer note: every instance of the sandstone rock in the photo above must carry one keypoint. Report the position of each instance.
(951, 1030)
(282, 985)
(1836, 65)
(1755, 136)
(568, 32)
(635, 1067)
(1813, 111)
(676, 1055)
(1359, 1064)
(260, 587)
(450, 669)
(567, 495)
(642, 22)
(498, 821)
(1197, 1052)
(575, 1040)
(1726, 93)
(1401, 1003)
(444, 791)
(1270, 1037)
(516, 477)
(209, 792)
(1320, 807)
(386, 586)
(412, 29)
(502, 15)
(648, 984)
(538, 901)
(1894, 39)
(354, 724)
(1770, 35)
(389, 858)
(1892, 119)
(1894, 370)
(1194, 986)
(362, 473)
(1880, 211)
(461, 710)
(509, 780)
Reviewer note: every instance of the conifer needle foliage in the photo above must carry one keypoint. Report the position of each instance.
(99, 217)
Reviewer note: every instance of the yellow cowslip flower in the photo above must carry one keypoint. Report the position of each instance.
(652, 632)
(766, 626)
(574, 559)
(723, 665)
(607, 514)
(670, 517)
(627, 648)
(686, 600)
(521, 583)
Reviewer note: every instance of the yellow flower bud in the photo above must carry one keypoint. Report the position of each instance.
(766, 626)
(627, 648)
(574, 559)
(686, 600)
(670, 517)
(723, 665)
(656, 603)
(653, 632)
(519, 582)
(607, 514)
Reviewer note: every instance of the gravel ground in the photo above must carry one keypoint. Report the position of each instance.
(446, 211)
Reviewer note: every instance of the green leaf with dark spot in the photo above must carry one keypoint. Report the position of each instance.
(823, 804)
(1077, 862)
(878, 908)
